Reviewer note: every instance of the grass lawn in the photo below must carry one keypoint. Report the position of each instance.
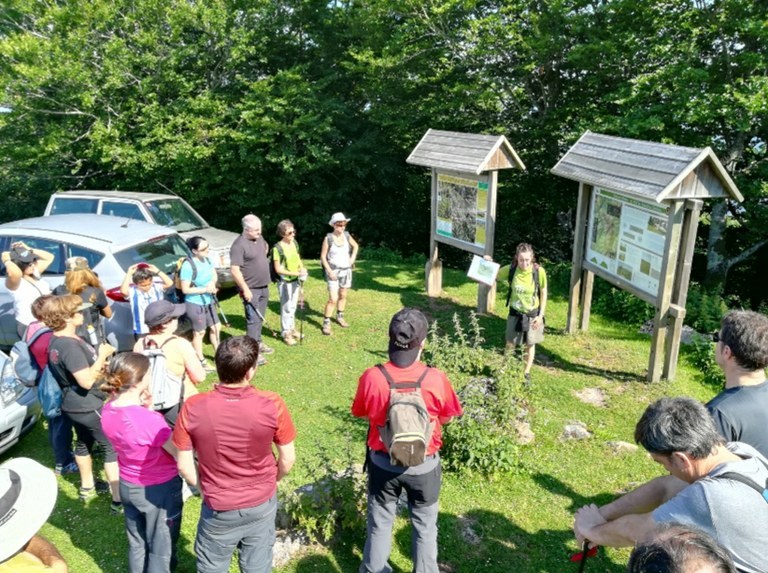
(521, 521)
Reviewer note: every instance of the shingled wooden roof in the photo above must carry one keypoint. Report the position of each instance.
(465, 152)
(650, 170)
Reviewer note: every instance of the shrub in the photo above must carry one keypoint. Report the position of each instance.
(619, 304)
(702, 354)
(704, 309)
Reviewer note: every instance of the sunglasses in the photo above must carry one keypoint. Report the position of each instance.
(340, 224)
(291, 233)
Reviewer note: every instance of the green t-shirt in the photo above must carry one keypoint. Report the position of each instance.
(524, 298)
(290, 261)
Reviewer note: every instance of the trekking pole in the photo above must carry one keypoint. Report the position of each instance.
(263, 319)
(224, 319)
(301, 308)
(582, 556)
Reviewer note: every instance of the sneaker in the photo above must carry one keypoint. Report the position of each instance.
(207, 366)
(297, 335)
(289, 340)
(116, 508)
(101, 486)
(326, 328)
(87, 493)
(261, 361)
(342, 323)
(264, 349)
(70, 468)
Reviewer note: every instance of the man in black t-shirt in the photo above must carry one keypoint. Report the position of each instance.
(740, 411)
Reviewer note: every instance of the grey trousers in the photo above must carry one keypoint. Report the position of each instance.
(251, 530)
(153, 524)
(289, 298)
(383, 490)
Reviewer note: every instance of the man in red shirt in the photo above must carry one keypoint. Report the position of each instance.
(407, 333)
(232, 429)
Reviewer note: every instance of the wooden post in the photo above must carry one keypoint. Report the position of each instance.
(486, 296)
(586, 299)
(579, 243)
(680, 287)
(666, 280)
(433, 270)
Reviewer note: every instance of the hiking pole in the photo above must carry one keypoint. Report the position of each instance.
(582, 556)
(224, 319)
(261, 316)
(301, 308)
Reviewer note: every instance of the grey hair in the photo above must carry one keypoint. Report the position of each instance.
(250, 221)
(681, 424)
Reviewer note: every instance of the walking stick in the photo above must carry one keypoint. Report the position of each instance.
(224, 319)
(301, 308)
(582, 556)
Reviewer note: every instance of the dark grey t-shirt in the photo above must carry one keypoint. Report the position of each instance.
(733, 513)
(251, 257)
(741, 415)
(65, 356)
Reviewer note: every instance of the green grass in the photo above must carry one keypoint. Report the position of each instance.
(523, 519)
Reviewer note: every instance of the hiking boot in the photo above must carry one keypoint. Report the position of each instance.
(207, 366)
(326, 328)
(70, 468)
(116, 508)
(297, 335)
(289, 340)
(264, 349)
(88, 493)
(342, 323)
(261, 361)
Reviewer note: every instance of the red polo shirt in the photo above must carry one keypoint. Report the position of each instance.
(232, 430)
(372, 400)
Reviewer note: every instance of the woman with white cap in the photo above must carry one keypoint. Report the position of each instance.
(23, 269)
(337, 255)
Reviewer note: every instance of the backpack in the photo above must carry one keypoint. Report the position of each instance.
(273, 275)
(329, 240)
(536, 284)
(175, 294)
(25, 367)
(408, 429)
(167, 388)
(49, 394)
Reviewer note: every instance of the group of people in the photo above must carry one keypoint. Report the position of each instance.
(234, 443)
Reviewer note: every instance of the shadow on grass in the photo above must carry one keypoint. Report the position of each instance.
(549, 357)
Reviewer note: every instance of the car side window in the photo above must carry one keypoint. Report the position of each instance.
(53, 247)
(118, 209)
(93, 257)
(66, 205)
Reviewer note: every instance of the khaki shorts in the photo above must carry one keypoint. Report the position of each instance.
(513, 336)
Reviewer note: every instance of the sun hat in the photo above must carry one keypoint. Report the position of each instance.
(76, 264)
(27, 496)
(338, 218)
(23, 255)
(407, 331)
(162, 311)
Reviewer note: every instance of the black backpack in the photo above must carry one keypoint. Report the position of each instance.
(536, 284)
(763, 491)
(175, 294)
(271, 258)
(408, 429)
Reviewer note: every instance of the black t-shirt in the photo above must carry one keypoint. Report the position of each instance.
(251, 257)
(91, 316)
(65, 356)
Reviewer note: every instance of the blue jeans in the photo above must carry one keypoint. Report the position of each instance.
(60, 438)
(251, 530)
(256, 312)
(384, 488)
(153, 524)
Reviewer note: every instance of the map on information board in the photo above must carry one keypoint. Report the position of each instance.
(626, 238)
(462, 205)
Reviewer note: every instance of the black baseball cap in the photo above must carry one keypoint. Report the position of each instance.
(407, 331)
(162, 311)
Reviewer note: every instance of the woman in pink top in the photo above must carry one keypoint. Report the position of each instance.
(150, 486)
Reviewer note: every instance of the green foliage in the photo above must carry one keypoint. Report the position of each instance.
(702, 355)
(384, 254)
(484, 438)
(619, 304)
(335, 502)
(704, 309)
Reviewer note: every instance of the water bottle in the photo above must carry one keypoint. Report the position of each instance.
(92, 336)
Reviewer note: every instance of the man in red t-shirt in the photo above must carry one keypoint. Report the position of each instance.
(407, 333)
(233, 430)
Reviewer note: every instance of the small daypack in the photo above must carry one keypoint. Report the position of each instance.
(408, 429)
(536, 284)
(167, 388)
(175, 294)
(25, 367)
(49, 394)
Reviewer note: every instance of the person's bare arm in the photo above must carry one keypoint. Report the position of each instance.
(106, 312)
(44, 259)
(192, 365)
(171, 448)
(355, 248)
(125, 286)
(324, 260)
(625, 531)
(87, 377)
(645, 498)
(538, 321)
(167, 281)
(286, 457)
(185, 462)
(47, 553)
(237, 275)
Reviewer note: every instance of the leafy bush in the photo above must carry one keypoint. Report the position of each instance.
(619, 304)
(702, 354)
(484, 438)
(704, 309)
(333, 504)
(384, 254)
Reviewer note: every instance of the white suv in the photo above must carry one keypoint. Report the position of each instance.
(158, 208)
(110, 244)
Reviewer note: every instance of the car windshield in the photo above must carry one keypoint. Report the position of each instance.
(163, 252)
(174, 213)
